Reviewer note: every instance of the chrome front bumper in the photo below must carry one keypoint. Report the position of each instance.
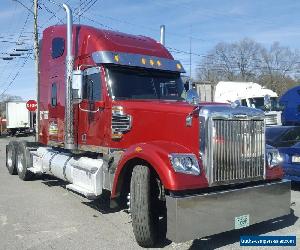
(193, 217)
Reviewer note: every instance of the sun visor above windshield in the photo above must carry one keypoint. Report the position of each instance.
(137, 60)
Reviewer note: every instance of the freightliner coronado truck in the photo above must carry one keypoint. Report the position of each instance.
(113, 119)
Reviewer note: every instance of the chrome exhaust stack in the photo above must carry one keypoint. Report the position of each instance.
(162, 34)
(69, 117)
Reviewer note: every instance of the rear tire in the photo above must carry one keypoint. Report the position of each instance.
(23, 161)
(11, 154)
(144, 218)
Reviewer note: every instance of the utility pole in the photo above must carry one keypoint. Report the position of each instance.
(190, 57)
(79, 11)
(37, 67)
(190, 81)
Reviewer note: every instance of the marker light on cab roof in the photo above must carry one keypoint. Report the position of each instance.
(116, 57)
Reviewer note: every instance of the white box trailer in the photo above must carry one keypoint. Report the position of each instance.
(17, 117)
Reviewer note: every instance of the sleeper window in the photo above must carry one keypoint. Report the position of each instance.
(58, 47)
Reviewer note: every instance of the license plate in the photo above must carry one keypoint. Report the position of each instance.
(242, 221)
(296, 158)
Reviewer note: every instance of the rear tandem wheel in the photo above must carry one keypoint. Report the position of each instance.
(11, 154)
(23, 161)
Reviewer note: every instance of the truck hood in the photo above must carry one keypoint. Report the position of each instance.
(156, 106)
(168, 106)
(155, 120)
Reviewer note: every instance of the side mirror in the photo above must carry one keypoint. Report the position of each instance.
(192, 97)
(77, 82)
(236, 103)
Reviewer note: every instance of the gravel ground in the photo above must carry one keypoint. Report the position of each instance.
(42, 214)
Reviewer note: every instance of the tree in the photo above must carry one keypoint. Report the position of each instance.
(277, 67)
(248, 60)
(231, 61)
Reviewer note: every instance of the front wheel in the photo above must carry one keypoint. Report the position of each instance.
(145, 219)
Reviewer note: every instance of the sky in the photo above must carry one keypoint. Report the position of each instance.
(190, 24)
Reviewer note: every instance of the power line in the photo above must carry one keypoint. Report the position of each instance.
(60, 9)
(97, 22)
(51, 12)
(178, 51)
(17, 42)
(147, 27)
(22, 30)
(80, 12)
(16, 75)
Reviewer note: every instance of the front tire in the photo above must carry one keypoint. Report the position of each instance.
(144, 217)
(23, 162)
(11, 154)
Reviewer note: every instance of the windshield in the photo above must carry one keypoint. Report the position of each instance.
(258, 103)
(283, 136)
(130, 83)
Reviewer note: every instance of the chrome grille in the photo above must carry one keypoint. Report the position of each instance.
(237, 151)
(120, 123)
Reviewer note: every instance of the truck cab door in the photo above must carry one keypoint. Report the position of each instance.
(91, 109)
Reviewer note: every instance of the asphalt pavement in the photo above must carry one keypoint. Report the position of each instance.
(42, 214)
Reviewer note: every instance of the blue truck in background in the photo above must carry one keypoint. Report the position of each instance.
(291, 102)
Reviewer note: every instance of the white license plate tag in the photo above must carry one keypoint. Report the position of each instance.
(296, 158)
(242, 221)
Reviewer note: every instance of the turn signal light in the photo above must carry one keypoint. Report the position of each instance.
(116, 136)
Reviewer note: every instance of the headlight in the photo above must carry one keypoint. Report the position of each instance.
(296, 159)
(273, 157)
(185, 163)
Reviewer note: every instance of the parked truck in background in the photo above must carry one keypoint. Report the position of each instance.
(252, 95)
(115, 121)
(17, 118)
(290, 101)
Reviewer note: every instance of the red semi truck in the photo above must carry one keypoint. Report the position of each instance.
(112, 118)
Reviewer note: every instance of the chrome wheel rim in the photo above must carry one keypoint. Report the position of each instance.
(20, 163)
(9, 158)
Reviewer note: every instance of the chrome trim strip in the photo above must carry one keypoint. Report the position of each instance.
(135, 60)
(92, 148)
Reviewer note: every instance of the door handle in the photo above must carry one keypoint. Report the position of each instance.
(87, 110)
